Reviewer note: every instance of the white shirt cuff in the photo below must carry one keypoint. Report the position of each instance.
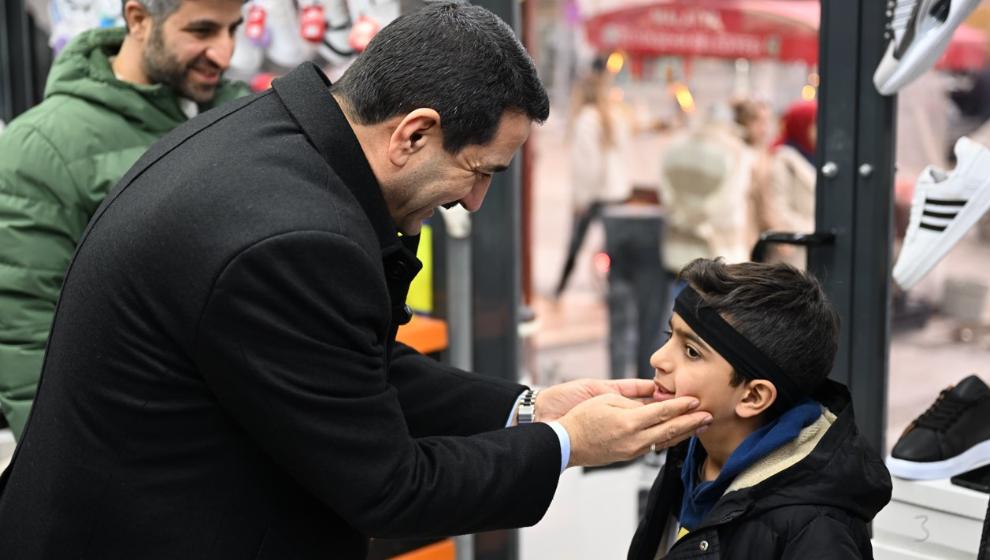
(562, 436)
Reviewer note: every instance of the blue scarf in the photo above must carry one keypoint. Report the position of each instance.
(701, 496)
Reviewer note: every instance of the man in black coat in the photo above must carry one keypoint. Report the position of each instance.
(222, 379)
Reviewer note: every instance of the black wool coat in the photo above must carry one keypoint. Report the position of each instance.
(222, 379)
(818, 509)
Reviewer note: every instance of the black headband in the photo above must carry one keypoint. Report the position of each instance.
(748, 360)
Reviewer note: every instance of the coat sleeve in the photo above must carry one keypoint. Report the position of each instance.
(290, 342)
(826, 538)
(41, 220)
(437, 399)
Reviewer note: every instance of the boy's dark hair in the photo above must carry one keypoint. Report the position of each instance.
(781, 310)
(460, 60)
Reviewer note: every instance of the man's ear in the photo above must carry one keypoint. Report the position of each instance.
(138, 20)
(757, 397)
(413, 133)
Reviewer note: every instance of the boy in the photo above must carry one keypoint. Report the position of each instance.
(782, 471)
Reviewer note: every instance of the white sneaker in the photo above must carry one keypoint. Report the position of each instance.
(944, 207)
(919, 32)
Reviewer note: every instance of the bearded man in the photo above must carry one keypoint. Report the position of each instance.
(110, 94)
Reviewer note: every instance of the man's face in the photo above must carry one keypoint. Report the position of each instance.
(759, 127)
(687, 366)
(191, 48)
(439, 178)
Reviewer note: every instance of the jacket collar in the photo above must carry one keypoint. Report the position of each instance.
(305, 92)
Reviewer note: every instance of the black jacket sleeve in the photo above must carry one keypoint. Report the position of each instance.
(291, 343)
(437, 399)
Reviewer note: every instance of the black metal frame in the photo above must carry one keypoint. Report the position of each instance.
(856, 134)
(24, 60)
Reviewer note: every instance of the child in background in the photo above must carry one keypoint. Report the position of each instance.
(782, 471)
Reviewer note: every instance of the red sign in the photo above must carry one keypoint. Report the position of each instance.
(751, 29)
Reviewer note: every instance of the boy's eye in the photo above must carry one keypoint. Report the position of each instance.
(691, 352)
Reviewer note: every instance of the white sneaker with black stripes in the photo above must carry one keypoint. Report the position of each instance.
(919, 32)
(944, 207)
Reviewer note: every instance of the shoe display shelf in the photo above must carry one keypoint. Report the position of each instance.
(932, 519)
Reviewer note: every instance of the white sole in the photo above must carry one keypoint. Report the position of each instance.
(974, 457)
(907, 274)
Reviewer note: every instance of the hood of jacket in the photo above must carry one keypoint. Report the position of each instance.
(841, 470)
(83, 71)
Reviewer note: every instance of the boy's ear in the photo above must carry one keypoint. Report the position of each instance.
(757, 397)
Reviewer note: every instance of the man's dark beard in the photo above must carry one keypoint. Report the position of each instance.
(161, 67)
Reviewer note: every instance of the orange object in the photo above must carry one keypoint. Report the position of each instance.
(443, 550)
(424, 334)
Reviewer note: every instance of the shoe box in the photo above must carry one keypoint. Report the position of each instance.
(929, 519)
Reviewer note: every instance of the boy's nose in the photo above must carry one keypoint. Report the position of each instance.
(658, 361)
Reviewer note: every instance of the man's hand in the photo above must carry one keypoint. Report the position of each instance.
(556, 401)
(610, 428)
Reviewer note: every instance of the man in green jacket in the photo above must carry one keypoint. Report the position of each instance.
(110, 95)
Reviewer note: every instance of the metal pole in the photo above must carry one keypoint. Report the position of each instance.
(457, 222)
(856, 135)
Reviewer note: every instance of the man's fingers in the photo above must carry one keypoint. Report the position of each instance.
(656, 412)
(633, 388)
(676, 430)
(617, 400)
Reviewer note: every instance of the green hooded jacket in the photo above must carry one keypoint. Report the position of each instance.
(57, 162)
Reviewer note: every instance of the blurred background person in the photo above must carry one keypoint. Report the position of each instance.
(637, 283)
(790, 200)
(600, 137)
(602, 130)
(111, 93)
(755, 125)
(705, 187)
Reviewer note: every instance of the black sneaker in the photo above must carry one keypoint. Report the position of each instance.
(951, 437)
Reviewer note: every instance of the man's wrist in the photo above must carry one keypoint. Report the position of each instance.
(526, 411)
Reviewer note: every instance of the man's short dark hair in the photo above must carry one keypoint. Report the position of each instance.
(460, 60)
(783, 311)
(159, 10)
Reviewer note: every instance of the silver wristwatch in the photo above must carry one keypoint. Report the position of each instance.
(527, 407)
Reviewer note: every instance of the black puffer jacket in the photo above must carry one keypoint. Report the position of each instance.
(818, 508)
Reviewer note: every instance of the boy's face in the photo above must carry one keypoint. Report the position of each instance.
(687, 366)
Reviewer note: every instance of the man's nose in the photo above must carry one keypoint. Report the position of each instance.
(472, 202)
(221, 51)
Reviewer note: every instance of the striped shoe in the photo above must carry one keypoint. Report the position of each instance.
(919, 32)
(944, 207)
